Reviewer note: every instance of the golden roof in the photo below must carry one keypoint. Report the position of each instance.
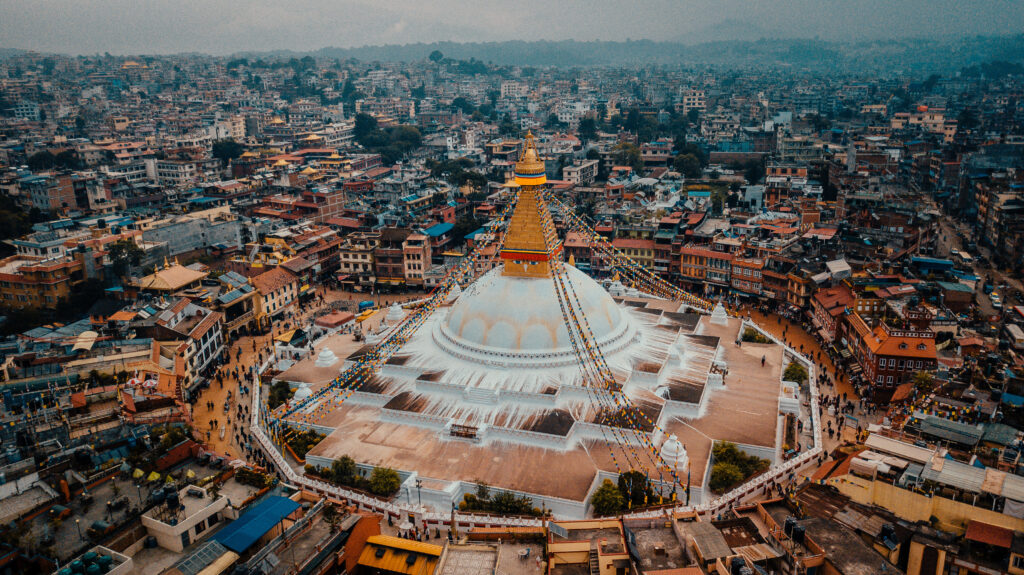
(530, 162)
(281, 163)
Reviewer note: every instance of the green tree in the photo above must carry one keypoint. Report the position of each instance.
(924, 381)
(279, 393)
(463, 104)
(587, 129)
(436, 56)
(41, 161)
(688, 165)
(607, 499)
(627, 154)
(635, 488)
(364, 126)
(754, 172)
(343, 470)
(724, 476)
(124, 255)
(795, 371)
(384, 481)
(67, 159)
(227, 150)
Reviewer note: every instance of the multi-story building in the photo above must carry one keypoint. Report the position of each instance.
(581, 173)
(278, 291)
(415, 258)
(888, 355)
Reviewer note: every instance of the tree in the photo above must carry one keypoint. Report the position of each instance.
(384, 481)
(635, 488)
(463, 104)
(343, 470)
(332, 517)
(587, 129)
(795, 371)
(364, 126)
(67, 159)
(627, 154)
(924, 382)
(436, 56)
(754, 172)
(41, 161)
(280, 392)
(607, 499)
(464, 225)
(688, 165)
(227, 150)
(724, 476)
(124, 255)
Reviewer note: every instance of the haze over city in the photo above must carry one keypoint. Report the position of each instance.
(223, 27)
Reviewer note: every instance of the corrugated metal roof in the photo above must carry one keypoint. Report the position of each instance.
(951, 430)
(709, 541)
(900, 449)
(955, 474)
(1013, 487)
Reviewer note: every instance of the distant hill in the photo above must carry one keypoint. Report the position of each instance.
(891, 55)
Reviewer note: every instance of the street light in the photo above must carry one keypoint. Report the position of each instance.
(79, 526)
(419, 493)
(109, 511)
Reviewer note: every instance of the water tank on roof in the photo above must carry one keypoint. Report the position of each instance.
(90, 557)
(172, 500)
(736, 565)
(790, 523)
(77, 566)
(93, 569)
(106, 562)
(798, 534)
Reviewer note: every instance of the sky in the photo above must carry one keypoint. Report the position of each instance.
(224, 27)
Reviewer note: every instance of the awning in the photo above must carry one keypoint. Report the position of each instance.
(989, 534)
(243, 532)
(285, 337)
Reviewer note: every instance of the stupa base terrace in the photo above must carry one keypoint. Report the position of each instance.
(451, 415)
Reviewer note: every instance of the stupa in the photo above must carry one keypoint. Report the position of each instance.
(490, 388)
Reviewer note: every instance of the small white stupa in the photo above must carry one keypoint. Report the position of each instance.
(395, 314)
(718, 315)
(674, 454)
(616, 289)
(326, 358)
(454, 293)
(302, 393)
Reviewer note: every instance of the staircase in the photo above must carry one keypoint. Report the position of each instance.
(595, 565)
(480, 396)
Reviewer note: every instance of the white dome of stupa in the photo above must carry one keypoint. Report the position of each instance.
(302, 393)
(395, 314)
(326, 358)
(674, 454)
(516, 320)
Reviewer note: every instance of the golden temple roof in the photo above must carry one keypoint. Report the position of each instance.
(525, 252)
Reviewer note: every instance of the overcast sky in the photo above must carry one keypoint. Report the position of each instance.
(222, 27)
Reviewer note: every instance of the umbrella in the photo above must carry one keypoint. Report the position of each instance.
(154, 476)
(138, 473)
(405, 526)
(190, 474)
(169, 479)
(125, 467)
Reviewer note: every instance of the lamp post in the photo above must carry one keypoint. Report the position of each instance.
(110, 512)
(419, 493)
(79, 527)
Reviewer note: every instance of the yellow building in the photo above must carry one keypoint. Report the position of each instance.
(599, 544)
(386, 555)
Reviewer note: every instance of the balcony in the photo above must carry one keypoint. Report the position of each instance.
(241, 320)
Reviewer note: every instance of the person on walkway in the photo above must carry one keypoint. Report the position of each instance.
(763, 358)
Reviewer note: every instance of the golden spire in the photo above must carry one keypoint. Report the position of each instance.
(525, 252)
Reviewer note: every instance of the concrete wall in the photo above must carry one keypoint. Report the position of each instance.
(169, 536)
(952, 515)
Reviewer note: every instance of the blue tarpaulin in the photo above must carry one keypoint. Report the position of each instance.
(1014, 400)
(241, 533)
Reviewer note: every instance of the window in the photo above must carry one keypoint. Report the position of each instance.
(879, 379)
(888, 379)
(1018, 562)
(881, 362)
(892, 363)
